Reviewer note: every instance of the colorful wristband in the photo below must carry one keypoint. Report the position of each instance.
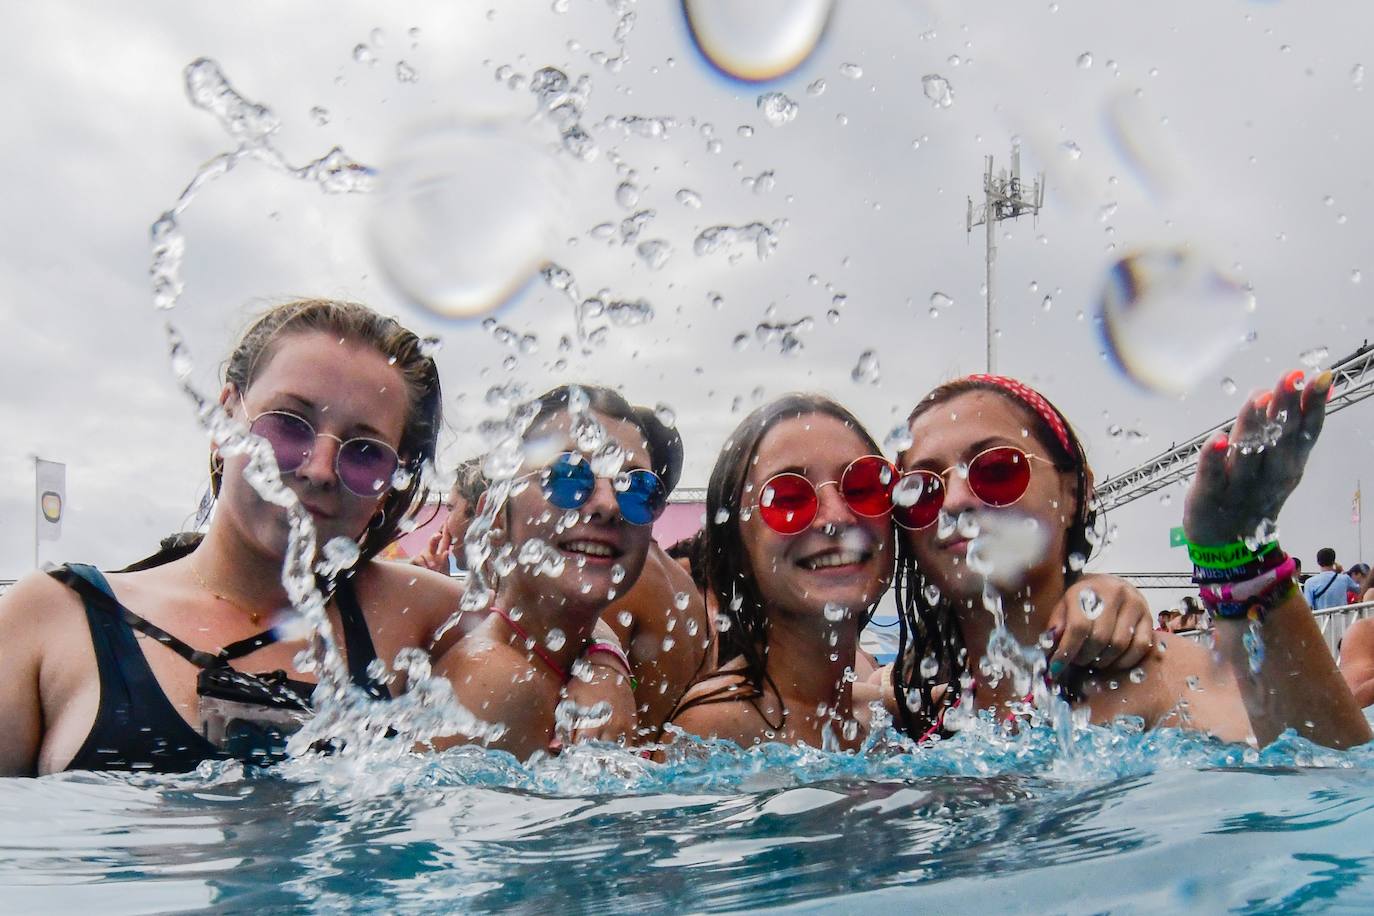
(1227, 556)
(1251, 597)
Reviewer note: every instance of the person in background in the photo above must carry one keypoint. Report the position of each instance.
(1168, 621)
(1190, 616)
(1330, 587)
(1360, 573)
(445, 553)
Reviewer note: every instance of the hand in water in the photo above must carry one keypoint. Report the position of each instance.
(608, 684)
(1117, 638)
(1244, 479)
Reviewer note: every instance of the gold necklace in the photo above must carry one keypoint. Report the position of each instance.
(253, 616)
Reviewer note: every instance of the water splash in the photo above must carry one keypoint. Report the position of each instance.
(757, 41)
(763, 237)
(777, 108)
(1148, 295)
(866, 370)
(937, 90)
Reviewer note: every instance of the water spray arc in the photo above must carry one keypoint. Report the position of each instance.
(1004, 197)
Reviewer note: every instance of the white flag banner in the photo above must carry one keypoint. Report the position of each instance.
(50, 498)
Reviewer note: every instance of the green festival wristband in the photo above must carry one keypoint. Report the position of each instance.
(1227, 556)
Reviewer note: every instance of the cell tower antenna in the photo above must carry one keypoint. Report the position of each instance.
(1004, 197)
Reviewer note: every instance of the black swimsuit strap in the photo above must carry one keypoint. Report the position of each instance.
(100, 598)
(358, 645)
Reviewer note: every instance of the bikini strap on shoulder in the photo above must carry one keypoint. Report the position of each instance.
(79, 581)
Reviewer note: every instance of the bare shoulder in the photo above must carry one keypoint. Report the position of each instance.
(1358, 642)
(1180, 684)
(35, 605)
(724, 705)
(405, 604)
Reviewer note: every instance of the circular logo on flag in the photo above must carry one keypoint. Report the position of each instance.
(51, 504)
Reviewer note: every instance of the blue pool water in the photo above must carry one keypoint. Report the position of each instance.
(1119, 822)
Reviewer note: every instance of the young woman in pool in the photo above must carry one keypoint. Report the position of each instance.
(345, 398)
(576, 530)
(990, 454)
(798, 550)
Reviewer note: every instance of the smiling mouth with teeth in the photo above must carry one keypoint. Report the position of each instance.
(834, 558)
(590, 549)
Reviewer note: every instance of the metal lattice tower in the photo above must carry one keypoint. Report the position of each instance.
(1004, 197)
(1353, 382)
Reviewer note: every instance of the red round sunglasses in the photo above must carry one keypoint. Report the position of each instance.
(788, 502)
(999, 476)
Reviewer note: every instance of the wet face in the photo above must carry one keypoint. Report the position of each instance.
(1027, 540)
(841, 558)
(343, 389)
(602, 553)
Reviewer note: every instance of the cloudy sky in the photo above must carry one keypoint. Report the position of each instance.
(1239, 130)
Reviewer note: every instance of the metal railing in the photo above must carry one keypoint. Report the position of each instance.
(1333, 623)
(5, 585)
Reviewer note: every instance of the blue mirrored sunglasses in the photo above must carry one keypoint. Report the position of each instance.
(568, 483)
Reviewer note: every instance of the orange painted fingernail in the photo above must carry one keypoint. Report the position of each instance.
(1290, 381)
(1263, 400)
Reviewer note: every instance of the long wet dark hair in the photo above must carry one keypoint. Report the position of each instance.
(354, 322)
(934, 626)
(721, 553)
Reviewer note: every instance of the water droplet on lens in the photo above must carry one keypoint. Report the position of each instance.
(853, 71)
(466, 215)
(405, 73)
(1085, 60)
(689, 198)
(363, 54)
(625, 618)
(760, 40)
(834, 612)
(1148, 295)
(1228, 385)
(555, 640)
(929, 667)
(1137, 676)
(816, 87)
(617, 573)
(654, 253)
(320, 115)
(627, 195)
(681, 600)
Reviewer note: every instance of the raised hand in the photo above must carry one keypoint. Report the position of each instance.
(1244, 477)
